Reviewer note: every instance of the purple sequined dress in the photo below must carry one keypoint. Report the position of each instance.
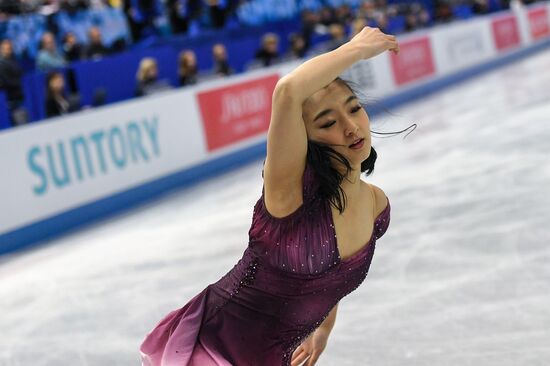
(284, 286)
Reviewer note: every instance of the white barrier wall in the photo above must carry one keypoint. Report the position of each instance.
(68, 162)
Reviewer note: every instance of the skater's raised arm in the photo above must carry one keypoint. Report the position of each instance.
(287, 136)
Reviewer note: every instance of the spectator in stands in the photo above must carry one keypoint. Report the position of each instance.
(217, 13)
(443, 10)
(178, 13)
(48, 57)
(71, 48)
(73, 6)
(411, 22)
(95, 49)
(141, 16)
(357, 25)
(337, 37)
(221, 63)
(10, 77)
(310, 20)
(382, 22)
(9, 7)
(187, 68)
(424, 17)
(148, 81)
(57, 103)
(268, 54)
(343, 15)
(297, 49)
(326, 16)
(369, 11)
(480, 6)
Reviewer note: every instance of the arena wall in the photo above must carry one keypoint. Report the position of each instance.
(66, 172)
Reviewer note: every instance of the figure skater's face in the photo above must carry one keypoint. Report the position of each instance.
(334, 116)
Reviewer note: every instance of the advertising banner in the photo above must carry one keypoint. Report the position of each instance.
(236, 112)
(506, 33)
(414, 61)
(539, 23)
(461, 45)
(53, 166)
(372, 77)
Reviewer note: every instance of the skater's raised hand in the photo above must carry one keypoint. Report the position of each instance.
(372, 42)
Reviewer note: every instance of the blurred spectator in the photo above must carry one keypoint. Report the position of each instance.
(187, 68)
(480, 6)
(48, 57)
(95, 49)
(337, 38)
(423, 17)
(368, 11)
(357, 26)
(117, 46)
(221, 64)
(72, 6)
(411, 22)
(326, 16)
(148, 81)
(57, 102)
(9, 7)
(71, 48)
(344, 15)
(217, 13)
(141, 16)
(297, 49)
(178, 13)
(382, 22)
(443, 11)
(309, 22)
(268, 54)
(10, 76)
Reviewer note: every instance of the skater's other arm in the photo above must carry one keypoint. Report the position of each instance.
(328, 323)
(315, 344)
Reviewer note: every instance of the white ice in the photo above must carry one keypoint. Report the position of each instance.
(462, 277)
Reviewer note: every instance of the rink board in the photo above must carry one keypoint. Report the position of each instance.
(63, 173)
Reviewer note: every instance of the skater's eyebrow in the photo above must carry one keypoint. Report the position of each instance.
(327, 111)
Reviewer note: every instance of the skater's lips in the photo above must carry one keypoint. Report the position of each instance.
(356, 142)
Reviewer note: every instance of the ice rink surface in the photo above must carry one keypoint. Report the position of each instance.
(462, 276)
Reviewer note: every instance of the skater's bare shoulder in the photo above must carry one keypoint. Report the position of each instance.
(381, 200)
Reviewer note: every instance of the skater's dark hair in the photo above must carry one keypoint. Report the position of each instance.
(329, 177)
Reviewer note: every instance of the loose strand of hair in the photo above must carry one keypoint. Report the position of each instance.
(413, 126)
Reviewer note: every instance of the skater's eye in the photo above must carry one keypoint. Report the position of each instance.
(356, 109)
(328, 124)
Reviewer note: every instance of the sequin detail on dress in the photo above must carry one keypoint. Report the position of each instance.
(289, 278)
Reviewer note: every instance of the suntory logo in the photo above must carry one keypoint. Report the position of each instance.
(61, 163)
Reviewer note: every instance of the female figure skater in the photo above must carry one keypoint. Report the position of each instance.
(312, 236)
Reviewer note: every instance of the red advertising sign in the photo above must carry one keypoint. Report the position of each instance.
(233, 113)
(506, 32)
(538, 23)
(413, 62)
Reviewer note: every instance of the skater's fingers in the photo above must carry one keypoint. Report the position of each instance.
(313, 359)
(301, 357)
